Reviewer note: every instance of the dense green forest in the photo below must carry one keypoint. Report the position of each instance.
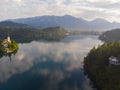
(96, 64)
(29, 34)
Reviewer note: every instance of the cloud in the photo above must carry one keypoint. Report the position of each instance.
(17, 1)
(107, 9)
(28, 55)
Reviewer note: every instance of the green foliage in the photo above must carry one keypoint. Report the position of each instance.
(96, 64)
(30, 34)
(12, 47)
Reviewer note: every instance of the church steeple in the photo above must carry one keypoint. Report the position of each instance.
(8, 38)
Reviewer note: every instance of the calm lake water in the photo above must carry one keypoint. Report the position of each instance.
(48, 65)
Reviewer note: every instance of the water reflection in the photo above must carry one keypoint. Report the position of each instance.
(2, 54)
(47, 66)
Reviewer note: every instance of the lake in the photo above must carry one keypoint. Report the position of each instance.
(42, 65)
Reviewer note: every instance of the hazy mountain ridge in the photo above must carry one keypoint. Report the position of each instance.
(12, 24)
(68, 22)
(111, 36)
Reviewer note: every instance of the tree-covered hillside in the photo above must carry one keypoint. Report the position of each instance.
(110, 36)
(29, 34)
(96, 64)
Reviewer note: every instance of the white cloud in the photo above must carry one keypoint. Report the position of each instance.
(17, 0)
(72, 53)
(88, 9)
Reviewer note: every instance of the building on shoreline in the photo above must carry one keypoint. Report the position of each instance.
(113, 61)
(6, 41)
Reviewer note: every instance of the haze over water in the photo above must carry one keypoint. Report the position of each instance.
(45, 65)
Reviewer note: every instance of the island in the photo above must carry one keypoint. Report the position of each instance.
(102, 65)
(8, 46)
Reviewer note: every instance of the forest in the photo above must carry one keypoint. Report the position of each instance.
(96, 65)
(29, 34)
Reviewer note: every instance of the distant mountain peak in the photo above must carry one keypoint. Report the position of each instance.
(68, 22)
(67, 16)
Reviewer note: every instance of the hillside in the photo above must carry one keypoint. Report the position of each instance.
(30, 34)
(12, 24)
(110, 36)
(96, 64)
(68, 22)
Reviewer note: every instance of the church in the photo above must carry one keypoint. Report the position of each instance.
(6, 41)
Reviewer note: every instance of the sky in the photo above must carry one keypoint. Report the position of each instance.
(87, 9)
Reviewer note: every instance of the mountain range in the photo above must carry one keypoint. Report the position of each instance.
(66, 21)
(12, 24)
